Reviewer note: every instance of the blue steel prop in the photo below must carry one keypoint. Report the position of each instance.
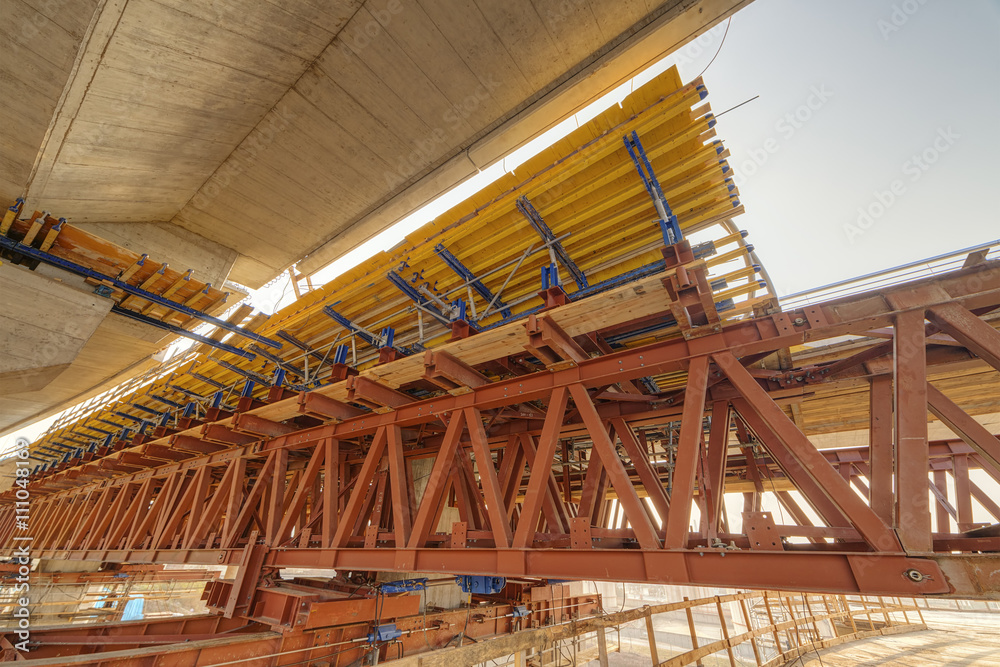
(351, 326)
(208, 380)
(72, 267)
(278, 361)
(469, 277)
(166, 401)
(528, 210)
(138, 420)
(147, 409)
(160, 324)
(250, 375)
(403, 585)
(415, 296)
(669, 226)
(187, 392)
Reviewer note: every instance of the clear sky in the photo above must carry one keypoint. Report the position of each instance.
(874, 141)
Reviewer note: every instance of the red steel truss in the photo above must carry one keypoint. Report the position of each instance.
(530, 463)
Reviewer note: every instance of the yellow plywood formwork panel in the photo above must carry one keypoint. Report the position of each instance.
(589, 194)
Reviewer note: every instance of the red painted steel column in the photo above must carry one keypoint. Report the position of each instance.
(913, 516)
(963, 491)
(688, 449)
(942, 507)
(880, 442)
(718, 443)
(542, 470)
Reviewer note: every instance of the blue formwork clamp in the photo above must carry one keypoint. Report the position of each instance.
(384, 633)
(519, 611)
(403, 585)
(480, 585)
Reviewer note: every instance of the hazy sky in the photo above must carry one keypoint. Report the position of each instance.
(888, 107)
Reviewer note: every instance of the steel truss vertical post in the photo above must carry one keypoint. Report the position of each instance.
(913, 518)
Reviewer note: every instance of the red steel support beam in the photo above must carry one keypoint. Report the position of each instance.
(880, 440)
(913, 519)
(688, 452)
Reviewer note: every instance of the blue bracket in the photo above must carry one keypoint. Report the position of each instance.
(387, 334)
(279, 377)
(458, 311)
(480, 584)
(384, 633)
(190, 409)
(340, 354)
(217, 399)
(669, 226)
(535, 218)
(550, 277)
(248, 387)
(72, 267)
(476, 284)
(519, 611)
